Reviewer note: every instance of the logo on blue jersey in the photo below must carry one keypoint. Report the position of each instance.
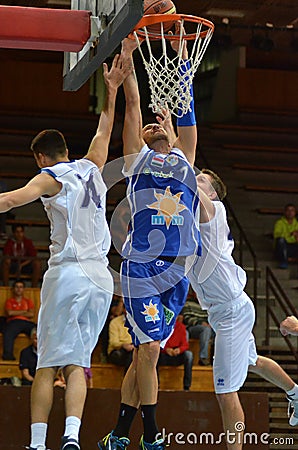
(169, 314)
(157, 173)
(172, 160)
(157, 161)
(168, 207)
(151, 312)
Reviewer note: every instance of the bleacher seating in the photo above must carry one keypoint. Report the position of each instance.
(106, 375)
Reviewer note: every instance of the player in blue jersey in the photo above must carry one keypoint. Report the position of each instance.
(162, 194)
(219, 284)
(77, 287)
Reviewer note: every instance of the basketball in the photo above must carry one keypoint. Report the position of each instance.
(159, 7)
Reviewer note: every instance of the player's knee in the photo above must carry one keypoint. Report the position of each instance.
(149, 352)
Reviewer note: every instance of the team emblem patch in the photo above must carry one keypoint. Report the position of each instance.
(157, 161)
(168, 314)
(172, 160)
(151, 312)
(168, 207)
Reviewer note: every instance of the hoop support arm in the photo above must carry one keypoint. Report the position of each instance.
(44, 28)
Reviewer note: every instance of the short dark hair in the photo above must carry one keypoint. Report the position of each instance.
(217, 183)
(18, 281)
(289, 205)
(50, 143)
(14, 226)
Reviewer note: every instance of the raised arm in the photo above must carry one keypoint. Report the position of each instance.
(42, 184)
(98, 150)
(133, 123)
(186, 125)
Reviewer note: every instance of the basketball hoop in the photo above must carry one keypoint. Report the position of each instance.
(170, 78)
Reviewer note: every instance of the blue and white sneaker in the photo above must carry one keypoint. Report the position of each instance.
(293, 412)
(111, 442)
(156, 445)
(68, 443)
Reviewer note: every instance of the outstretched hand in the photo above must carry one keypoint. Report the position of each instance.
(177, 45)
(289, 326)
(117, 74)
(165, 120)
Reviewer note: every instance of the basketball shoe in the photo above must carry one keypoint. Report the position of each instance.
(157, 445)
(111, 442)
(68, 443)
(293, 411)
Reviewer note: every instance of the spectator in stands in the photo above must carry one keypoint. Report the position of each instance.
(120, 350)
(196, 322)
(88, 377)
(289, 326)
(20, 312)
(176, 353)
(20, 257)
(286, 236)
(59, 379)
(28, 360)
(116, 309)
(3, 216)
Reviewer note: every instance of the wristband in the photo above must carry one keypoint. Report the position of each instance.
(189, 119)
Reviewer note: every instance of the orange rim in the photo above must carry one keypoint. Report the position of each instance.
(151, 19)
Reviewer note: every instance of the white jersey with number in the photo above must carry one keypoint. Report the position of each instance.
(79, 230)
(215, 276)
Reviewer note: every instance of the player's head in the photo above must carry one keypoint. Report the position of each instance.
(210, 183)
(18, 231)
(153, 133)
(50, 144)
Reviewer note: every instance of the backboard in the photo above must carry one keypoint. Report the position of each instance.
(111, 21)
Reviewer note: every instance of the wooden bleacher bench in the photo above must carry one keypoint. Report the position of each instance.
(259, 148)
(106, 375)
(270, 189)
(264, 168)
(272, 211)
(277, 112)
(257, 128)
(28, 222)
(19, 175)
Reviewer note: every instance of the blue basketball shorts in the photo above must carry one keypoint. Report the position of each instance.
(154, 294)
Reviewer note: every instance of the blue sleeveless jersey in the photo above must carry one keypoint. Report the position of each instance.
(163, 198)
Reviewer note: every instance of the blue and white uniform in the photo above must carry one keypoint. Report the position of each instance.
(77, 287)
(162, 194)
(219, 284)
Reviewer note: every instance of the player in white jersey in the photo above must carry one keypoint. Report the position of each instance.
(77, 287)
(219, 284)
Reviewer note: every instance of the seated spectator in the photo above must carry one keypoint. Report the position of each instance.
(120, 349)
(20, 312)
(59, 379)
(116, 310)
(19, 257)
(196, 322)
(286, 236)
(28, 360)
(88, 377)
(176, 353)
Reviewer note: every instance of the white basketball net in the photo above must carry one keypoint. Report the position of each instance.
(170, 78)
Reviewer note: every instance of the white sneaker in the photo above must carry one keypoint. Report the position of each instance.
(293, 412)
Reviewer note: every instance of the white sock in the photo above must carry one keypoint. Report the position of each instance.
(72, 427)
(293, 393)
(38, 434)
